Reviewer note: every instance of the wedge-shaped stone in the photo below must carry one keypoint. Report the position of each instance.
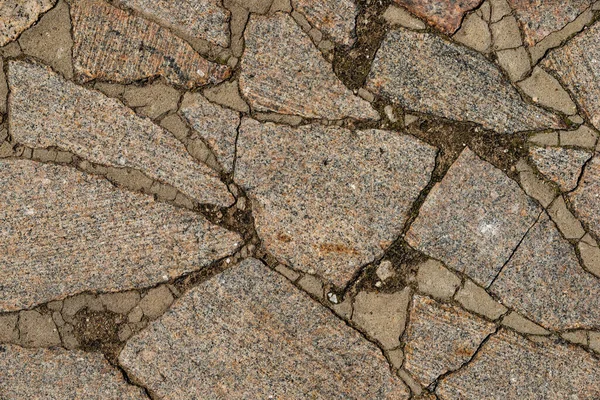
(335, 18)
(586, 199)
(112, 45)
(46, 110)
(18, 15)
(65, 232)
(473, 219)
(283, 71)
(60, 374)
(544, 281)
(440, 338)
(425, 73)
(560, 165)
(327, 198)
(248, 333)
(445, 15)
(510, 367)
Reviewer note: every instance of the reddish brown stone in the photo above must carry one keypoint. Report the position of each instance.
(445, 15)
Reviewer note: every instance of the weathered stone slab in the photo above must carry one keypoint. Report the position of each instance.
(18, 15)
(445, 15)
(47, 110)
(112, 45)
(425, 73)
(560, 165)
(586, 199)
(60, 374)
(249, 333)
(440, 338)
(473, 219)
(327, 198)
(544, 281)
(335, 18)
(65, 232)
(283, 71)
(510, 367)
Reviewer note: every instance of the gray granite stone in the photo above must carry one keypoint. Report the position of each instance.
(249, 333)
(440, 338)
(60, 374)
(335, 18)
(585, 200)
(65, 232)
(46, 110)
(326, 198)
(426, 73)
(562, 166)
(283, 71)
(18, 15)
(544, 281)
(510, 367)
(445, 15)
(473, 219)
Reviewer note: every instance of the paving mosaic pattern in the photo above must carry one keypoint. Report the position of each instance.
(296, 199)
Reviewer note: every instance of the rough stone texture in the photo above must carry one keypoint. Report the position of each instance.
(198, 19)
(249, 333)
(445, 15)
(18, 15)
(506, 34)
(435, 280)
(215, 124)
(60, 374)
(428, 74)
(586, 198)
(473, 219)
(112, 45)
(560, 165)
(64, 232)
(440, 338)
(510, 367)
(334, 18)
(327, 198)
(544, 281)
(47, 110)
(283, 71)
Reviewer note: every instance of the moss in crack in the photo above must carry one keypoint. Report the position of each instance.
(97, 331)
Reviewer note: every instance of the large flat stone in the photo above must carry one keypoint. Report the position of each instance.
(112, 45)
(473, 219)
(426, 73)
(283, 71)
(586, 198)
(65, 232)
(327, 198)
(249, 333)
(18, 15)
(445, 15)
(47, 110)
(335, 18)
(60, 374)
(510, 367)
(560, 165)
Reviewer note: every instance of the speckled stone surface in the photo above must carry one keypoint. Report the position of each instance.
(46, 110)
(544, 281)
(473, 219)
(440, 338)
(18, 15)
(510, 367)
(199, 19)
(216, 124)
(327, 198)
(59, 374)
(586, 198)
(425, 73)
(334, 18)
(560, 165)
(445, 15)
(248, 333)
(112, 45)
(65, 232)
(282, 71)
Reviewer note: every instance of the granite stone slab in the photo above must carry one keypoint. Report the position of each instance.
(248, 333)
(428, 74)
(335, 18)
(65, 232)
(113, 45)
(473, 219)
(326, 198)
(445, 15)
(586, 198)
(560, 165)
(47, 110)
(18, 15)
(282, 71)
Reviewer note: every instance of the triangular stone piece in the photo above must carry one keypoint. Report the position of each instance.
(560, 165)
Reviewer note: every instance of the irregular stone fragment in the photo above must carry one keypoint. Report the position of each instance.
(18, 15)
(590, 255)
(510, 367)
(112, 45)
(427, 74)
(506, 34)
(445, 15)
(474, 33)
(473, 219)
(335, 18)
(476, 299)
(249, 333)
(8, 328)
(560, 165)
(544, 89)
(282, 71)
(544, 281)
(152, 100)
(435, 280)
(585, 200)
(60, 374)
(47, 110)
(198, 19)
(65, 232)
(399, 16)
(581, 137)
(515, 62)
(326, 198)
(440, 338)
(523, 325)
(37, 330)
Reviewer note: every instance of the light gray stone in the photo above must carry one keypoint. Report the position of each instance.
(435, 280)
(156, 301)
(120, 303)
(506, 33)
(152, 100)
(227, 94)
(585, 200)
(8, 328)
(590, 255)
(544, 89)
(568, 225)
(18, 15)
(560, 165)
(523, 325)
(399, 16)
(581, 137)
(475, 298)
(334, 17)
(474, 32)
(445, 15)
(37, 330)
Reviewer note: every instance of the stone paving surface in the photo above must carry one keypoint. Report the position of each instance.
(560, 165)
